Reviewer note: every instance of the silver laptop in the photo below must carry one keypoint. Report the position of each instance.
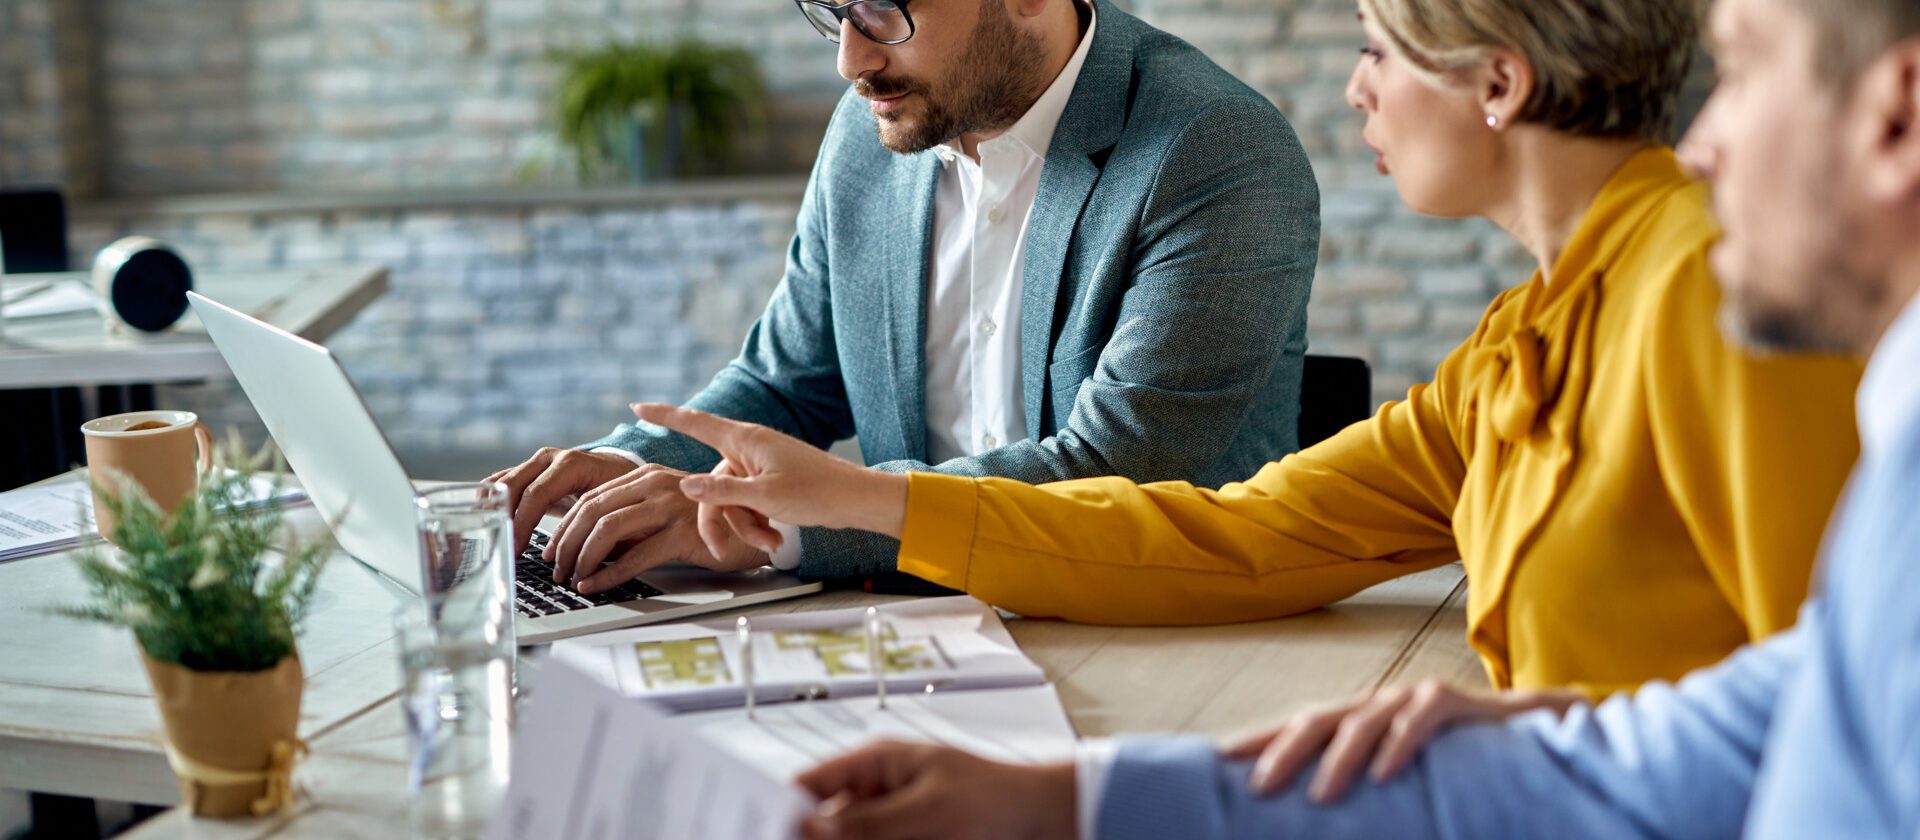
(348, 469)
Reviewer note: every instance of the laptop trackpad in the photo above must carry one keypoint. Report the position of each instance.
(685, 584)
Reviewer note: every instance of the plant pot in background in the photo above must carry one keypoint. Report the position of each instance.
(232, 736)
(648, 111)
(655, 134)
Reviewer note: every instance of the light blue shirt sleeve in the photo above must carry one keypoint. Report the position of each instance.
(1843, 759)
(1667, 761)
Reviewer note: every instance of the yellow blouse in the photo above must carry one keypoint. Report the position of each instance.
(1631, 496)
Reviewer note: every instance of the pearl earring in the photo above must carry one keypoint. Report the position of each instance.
(1493, 121)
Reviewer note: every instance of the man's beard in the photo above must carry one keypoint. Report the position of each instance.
(993, 84)
(1815, 300)
(1836, 317)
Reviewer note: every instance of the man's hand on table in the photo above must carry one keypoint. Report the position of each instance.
(1382, 731)
(892, 790)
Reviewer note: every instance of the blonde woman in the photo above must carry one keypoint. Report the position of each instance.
(1632, 497)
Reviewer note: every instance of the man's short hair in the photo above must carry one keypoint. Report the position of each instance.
(1602, 68)
(1852, 33)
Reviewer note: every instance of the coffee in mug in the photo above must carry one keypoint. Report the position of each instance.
(157, 449)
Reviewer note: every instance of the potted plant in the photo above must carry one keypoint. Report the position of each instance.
(213, 594)
(648, 110)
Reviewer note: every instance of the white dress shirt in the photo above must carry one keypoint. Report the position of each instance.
(980, 214)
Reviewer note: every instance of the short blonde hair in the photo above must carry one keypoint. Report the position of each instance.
(1601, 68)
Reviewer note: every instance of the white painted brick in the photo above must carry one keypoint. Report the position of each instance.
(1454, 284)
(1395, 317)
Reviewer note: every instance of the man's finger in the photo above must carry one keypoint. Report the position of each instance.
(1290, 750)
(636, 524)
(1359, 736)
(581, 516)
(519, 475)
(632, 563)
(862, 772)
(910, 812)
(1250, 745)
(566, 538)
(517, 478)
(712, 430)
(1410, 732)
(552, 486)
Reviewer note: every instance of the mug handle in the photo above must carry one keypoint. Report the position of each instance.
(203, 437)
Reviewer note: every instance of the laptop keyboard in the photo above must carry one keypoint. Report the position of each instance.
(535, 594)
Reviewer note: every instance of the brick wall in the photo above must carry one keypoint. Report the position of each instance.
(46, 113)
(508, 325)
(223, 95)
(303, 95)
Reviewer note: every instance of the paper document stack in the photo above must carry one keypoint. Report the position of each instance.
(38, 299)
(58, 515)
(953, 674)
(589, 764)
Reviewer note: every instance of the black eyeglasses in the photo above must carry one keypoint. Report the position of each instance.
(882, 21)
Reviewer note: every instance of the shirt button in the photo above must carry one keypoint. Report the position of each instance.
(996, 213)
(989, 441)
(988, 327)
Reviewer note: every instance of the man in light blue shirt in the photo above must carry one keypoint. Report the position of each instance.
(1812, 139)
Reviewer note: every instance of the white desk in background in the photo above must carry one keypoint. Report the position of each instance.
(78, 349)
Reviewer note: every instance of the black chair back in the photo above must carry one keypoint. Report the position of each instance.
(33, 240)
(33, 231)
(1335, 392)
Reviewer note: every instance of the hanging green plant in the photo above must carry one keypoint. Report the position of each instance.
(644, 110)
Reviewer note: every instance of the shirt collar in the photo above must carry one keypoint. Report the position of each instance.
(1035, 128)
(1889, 400)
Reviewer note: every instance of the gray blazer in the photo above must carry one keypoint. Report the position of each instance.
(1169, 255)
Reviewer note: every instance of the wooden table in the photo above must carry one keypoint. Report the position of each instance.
(79, 349)
(1214, 681)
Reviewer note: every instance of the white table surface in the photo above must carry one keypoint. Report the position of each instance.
(77, 715)
(80, 349)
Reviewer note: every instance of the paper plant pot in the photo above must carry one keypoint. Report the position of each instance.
(232, 736)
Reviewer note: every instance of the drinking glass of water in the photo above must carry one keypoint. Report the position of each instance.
(457, 660)
(456, 694)
(466, 539)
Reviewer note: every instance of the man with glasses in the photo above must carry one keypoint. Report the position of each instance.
(1042, 240)
(1812, 142)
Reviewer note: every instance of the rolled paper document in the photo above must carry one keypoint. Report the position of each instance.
(745, 629)
(875, 662)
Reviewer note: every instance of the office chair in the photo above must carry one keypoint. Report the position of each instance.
(33, 240)
(33, 231)
(1335, 392)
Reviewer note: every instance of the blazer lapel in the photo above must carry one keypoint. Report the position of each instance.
(907, 242)
(1088, 129)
